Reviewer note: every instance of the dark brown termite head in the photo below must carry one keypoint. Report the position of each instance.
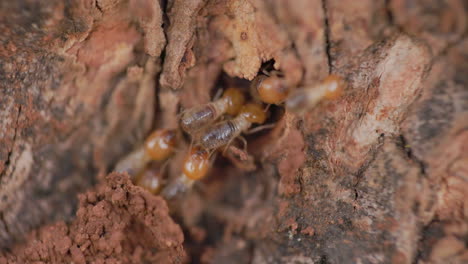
(160, 144)
(270, 89)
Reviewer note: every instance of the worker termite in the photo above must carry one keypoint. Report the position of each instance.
(223, 133)
(199, 117)
(195, 167)
(150, 179)
(271, 89)
(158, 146)
(305, 98)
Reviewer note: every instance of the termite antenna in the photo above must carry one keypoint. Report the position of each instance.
(164, 166)
(211, 152)
(191, 143)
(218, 94)
(260, 128)
(265, 72)
(244, 142)
(227, 146)
(179, 115)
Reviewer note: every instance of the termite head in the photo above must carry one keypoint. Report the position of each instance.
(150, 179)
(160, 144)
(196, 163)
(195, 166)
(253, 113)
(334, 86)
(271, 89)
(234, 99)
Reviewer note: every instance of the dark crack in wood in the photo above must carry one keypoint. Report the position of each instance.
(389, 13)
(409, 153)
(10, 152)
(98, 6)
(327, 35)
(2, 220)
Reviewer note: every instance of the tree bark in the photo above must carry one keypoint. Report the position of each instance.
(377, 176)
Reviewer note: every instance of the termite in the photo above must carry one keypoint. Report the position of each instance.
(195, 166)
(198, 117)
(158, 146)
(150, 179)
(271, 89)
(305, 98)
(223, 133)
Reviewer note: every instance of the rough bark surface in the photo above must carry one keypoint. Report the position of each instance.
(378, 176)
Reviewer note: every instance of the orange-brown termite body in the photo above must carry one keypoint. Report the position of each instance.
(198, 117)
(158, 146)
(271, 89)
(223, 133)
(302, 99)
(150, 179)
(195, 166)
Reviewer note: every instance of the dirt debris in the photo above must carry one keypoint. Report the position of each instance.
(115, 223)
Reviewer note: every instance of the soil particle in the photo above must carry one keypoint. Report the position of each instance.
(115, 223)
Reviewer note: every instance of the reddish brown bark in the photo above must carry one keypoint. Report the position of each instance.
(378, 176)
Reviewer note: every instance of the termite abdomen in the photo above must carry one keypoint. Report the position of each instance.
(198, 117)
(219, 135)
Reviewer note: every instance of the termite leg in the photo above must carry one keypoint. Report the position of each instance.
(259, 128)
(178, 150)
(267, 108)
(179, 115)
(191, 143)
(200, 186)
(244, 143)
(164, 165)
(227, 145)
